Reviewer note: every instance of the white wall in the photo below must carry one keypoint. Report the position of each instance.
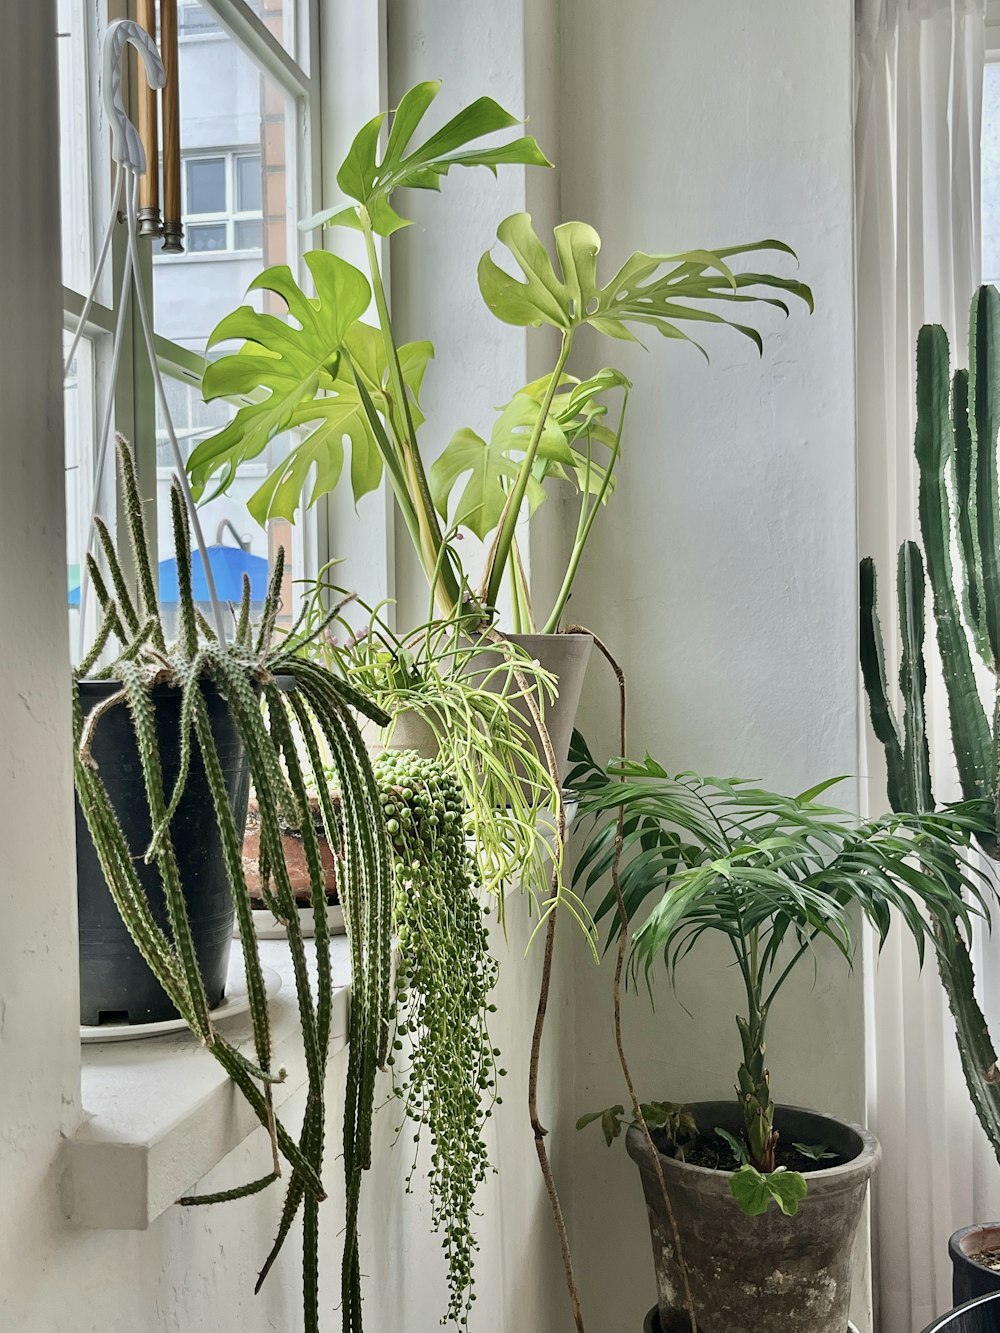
(725, 575)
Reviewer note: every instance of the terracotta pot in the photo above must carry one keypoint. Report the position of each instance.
(979, 1316)
(749, 1274)
(295, 857)
(969, 1278)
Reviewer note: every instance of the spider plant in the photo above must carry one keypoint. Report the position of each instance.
(466, 693)
(346, 380)
(291, 713)
(774, 875)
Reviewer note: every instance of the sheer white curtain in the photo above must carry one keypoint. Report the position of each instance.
(919, 109)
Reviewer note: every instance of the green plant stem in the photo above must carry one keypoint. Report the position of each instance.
(588, 512)
(501, 548)
(431, 540)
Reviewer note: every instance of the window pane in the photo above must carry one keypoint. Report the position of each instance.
(74, 150)
(248, 183)
(230, 112)
(249, 235)
(206, 236)
(80, 427)
(991, 173)
(193, 21)
(206, 185)
(236, 541)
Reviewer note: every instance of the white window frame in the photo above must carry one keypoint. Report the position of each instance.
(134, 394)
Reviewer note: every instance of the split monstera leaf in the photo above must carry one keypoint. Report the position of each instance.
(339, 383)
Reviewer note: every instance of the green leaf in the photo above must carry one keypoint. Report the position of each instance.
(300, 377)
(492, 468)
(738, 1148)
(662, 290)
(754, 1191)
(818, 1152)
(372, 183)
(611, 1122)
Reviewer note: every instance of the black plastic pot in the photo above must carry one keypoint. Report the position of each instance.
(980, 1316)
(116, 985)
(969, 1278)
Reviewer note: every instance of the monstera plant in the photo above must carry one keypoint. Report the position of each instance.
(348, 382)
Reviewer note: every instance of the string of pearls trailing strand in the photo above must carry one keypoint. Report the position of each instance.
(445, 1071)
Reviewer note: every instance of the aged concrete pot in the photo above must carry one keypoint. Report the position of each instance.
(971, 1279)
(409, 730)
(754, 1273)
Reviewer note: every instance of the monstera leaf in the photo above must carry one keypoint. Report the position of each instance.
(656, 290)
(363, 178)
(310, 376)
(492, 467)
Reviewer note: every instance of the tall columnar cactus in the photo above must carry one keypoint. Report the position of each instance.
(958, 418)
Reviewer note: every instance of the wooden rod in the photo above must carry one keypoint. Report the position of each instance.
(173, 232)
(149, 186)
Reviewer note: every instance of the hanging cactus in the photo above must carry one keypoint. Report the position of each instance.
(958, 419)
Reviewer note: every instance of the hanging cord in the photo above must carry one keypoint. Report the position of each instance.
(130, 159)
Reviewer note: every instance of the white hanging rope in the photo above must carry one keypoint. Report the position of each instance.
(130, 159)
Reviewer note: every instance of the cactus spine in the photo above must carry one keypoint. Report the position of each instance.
(958, 419)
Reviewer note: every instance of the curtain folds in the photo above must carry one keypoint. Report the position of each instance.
(917, 160)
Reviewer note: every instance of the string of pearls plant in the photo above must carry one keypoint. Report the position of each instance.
(446, 1082)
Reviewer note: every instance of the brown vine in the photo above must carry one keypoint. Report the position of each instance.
(624, 930)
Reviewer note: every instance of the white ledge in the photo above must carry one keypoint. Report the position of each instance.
(161, 1113)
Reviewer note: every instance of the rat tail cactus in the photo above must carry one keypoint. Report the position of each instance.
(958, 418)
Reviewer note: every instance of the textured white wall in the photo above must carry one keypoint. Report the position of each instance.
(724, 574)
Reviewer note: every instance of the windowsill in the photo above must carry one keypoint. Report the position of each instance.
(161, 1113)
(208, 257)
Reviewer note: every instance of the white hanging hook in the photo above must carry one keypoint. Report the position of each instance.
(126, 146)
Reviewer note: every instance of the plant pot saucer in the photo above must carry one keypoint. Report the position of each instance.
(235, 1001)
(653, 1325)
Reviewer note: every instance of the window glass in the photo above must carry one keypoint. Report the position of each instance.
(991, 173)
(206, 184)
(80, 427)
(249, 235)
(203, 237)
(249, 190)
(74, 154)
(278, 16)
(238, 137)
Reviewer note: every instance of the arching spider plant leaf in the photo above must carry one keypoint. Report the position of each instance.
(372, 183)
(663, 291)
(300, 377)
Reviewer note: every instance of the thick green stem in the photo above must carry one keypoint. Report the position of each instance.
(501, 548)
(430, 538)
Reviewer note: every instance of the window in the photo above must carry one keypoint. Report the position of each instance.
(222, 202)
(247, 111)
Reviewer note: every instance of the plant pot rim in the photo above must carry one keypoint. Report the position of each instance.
(825, 1180)
(957, 1251)
(942, 1324)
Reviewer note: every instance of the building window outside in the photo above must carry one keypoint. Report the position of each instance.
(222, 196)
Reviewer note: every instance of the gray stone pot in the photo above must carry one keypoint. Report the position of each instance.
(566, 656)
(410, 731)
(750, 1274)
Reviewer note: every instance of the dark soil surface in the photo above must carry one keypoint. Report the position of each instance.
(987, 1259)
(713, 1152)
